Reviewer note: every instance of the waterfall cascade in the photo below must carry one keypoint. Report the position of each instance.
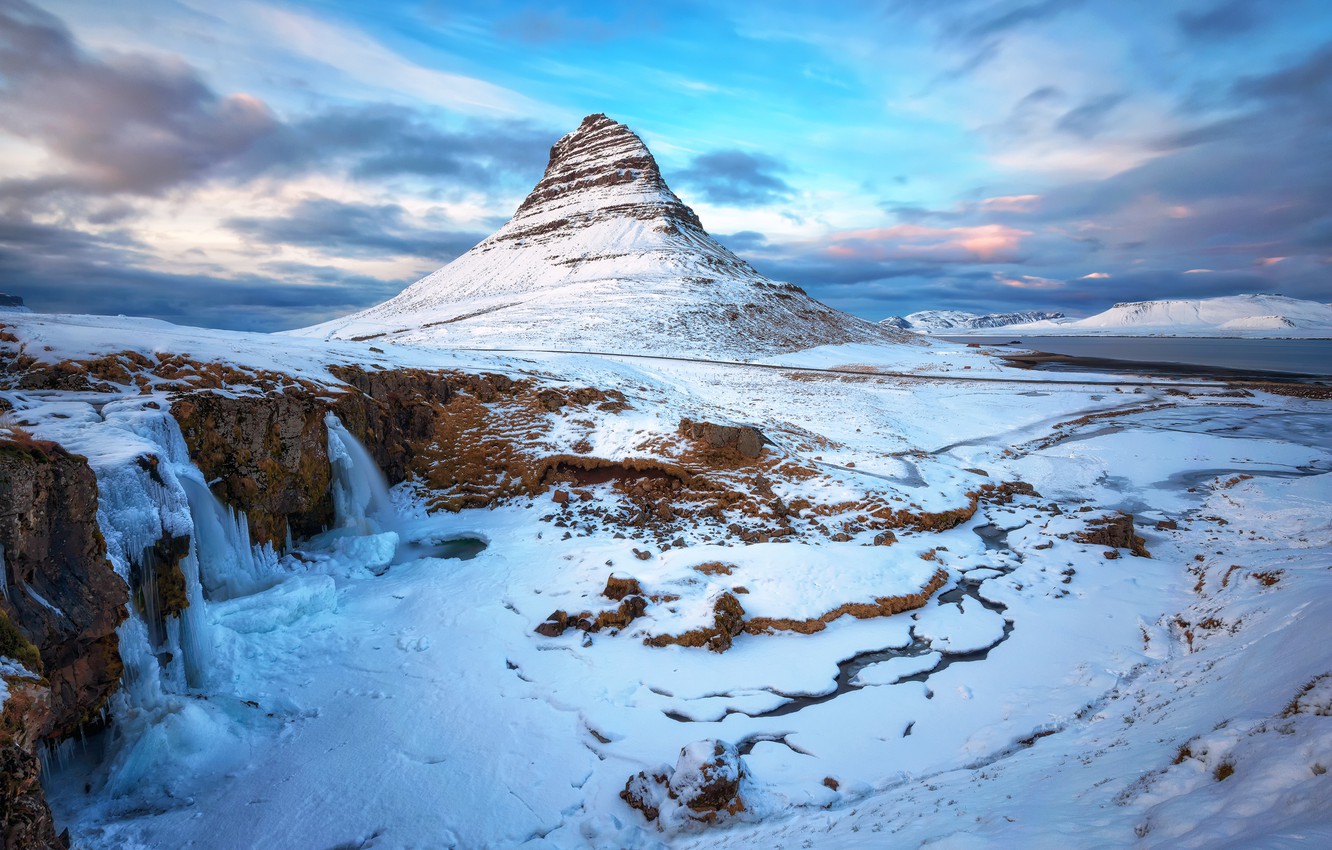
(361, 500)
(178, 697)
(169, 660)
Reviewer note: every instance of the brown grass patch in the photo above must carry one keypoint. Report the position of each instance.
(884, 606)
(716, 568)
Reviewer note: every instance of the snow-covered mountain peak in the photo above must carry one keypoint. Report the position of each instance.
(603, 256)
(942, 321)
(602, 168)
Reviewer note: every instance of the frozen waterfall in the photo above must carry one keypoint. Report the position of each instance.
(360, 493)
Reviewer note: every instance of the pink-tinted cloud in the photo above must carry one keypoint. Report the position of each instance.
(980, 243)
(1010, 203)
(1027, 281)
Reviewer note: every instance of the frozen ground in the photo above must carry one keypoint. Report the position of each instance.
(1048, 696)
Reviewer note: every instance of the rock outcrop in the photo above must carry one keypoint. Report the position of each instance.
(63, 594)
(62, 602)
(1117, 532)
(25, 818)
(740, 440)
(705, 784)
(268, 455)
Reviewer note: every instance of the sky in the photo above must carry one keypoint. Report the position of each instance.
(264, 166)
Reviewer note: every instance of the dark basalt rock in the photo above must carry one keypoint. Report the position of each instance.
(63, 594)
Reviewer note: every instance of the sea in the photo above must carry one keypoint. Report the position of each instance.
(1304, 357)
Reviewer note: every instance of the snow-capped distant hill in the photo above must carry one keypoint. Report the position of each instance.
(12, 303)
(1230, 315)
(602, 256)
(934, 321)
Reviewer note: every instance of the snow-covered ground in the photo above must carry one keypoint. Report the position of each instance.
(1048, 696)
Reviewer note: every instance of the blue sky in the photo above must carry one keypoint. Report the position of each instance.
(269, 165)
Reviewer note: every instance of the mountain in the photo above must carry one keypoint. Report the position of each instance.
(934, 321)
(13, 303)
(1230, 315)
(602, 256)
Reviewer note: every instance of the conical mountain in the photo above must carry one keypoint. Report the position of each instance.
(602, 256)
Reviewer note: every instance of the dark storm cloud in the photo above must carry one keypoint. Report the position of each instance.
(127, 123)
(61, 270)
(339, 229)
(737, 178)
(1220, 21)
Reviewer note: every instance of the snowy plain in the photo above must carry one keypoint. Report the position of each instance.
(1048, 696)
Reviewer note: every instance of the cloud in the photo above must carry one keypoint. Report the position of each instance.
(981, 28)
(63, 270)
(339, 229)
(1221, 21)
(124, 123)
(367, 62)
(914, 242)
(1307, 81)
(737, 178)
(1027, 281)
(1010, 203)
(1088, 119)
(744, 240)
(1003, 17)
(379, 141)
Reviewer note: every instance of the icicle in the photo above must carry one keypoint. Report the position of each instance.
(229, 565)
(4, 575)
(360, 494)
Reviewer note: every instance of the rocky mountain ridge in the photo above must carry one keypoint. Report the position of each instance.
(933, 321)
(603, 256)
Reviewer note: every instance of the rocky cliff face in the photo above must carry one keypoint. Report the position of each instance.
(61, 605)
(62, 592)
(269, 454)
(25, 818)
(603, 256)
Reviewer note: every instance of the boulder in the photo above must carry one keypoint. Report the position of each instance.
(705, 784)
(741, 440)
(619, 585)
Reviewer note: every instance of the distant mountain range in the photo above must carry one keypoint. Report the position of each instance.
(933, 321)
(1259, 316)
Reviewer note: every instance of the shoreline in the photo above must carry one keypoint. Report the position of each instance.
(1317, 386)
